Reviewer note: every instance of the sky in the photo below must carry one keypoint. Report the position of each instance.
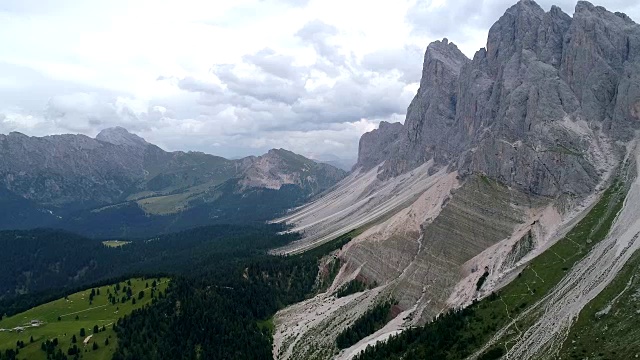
(229, 77)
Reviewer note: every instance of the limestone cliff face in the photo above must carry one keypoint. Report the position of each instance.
(539, 108)
(378, 145)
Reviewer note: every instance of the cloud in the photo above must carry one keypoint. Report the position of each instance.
(407, 60)
(83, 112)
(297, 3)
(191, 84)
(275, 64)
(319, 34)
(225, 77)
(261, 86)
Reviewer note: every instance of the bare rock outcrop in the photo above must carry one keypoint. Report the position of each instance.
(378, 145)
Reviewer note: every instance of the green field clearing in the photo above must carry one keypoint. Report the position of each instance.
(65, 317)
(115, 243)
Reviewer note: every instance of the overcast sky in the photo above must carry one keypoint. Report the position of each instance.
(229, 77)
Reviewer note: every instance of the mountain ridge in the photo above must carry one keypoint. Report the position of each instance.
(78, 177)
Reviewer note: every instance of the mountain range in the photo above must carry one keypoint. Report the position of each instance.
(503, 159)
(119, 185)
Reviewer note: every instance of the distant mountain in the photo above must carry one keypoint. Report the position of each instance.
(345, 164)
(119, 184)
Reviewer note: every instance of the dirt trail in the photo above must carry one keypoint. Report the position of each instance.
(81, 311)
(584, 282)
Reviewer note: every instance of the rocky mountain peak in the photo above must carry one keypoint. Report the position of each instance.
(545, 82)
(377, 146)
(584, 6)
(441, 59)
(280, 167)
(523, 136)
(280, 152)
(120, 136)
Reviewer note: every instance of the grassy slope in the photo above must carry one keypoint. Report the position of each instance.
(612, 334)
(100, 313)
(545, 271)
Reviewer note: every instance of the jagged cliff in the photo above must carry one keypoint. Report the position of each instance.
(498, 156)
(532, 110)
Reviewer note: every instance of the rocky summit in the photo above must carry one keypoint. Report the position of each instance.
(499, 156)
(539, 108)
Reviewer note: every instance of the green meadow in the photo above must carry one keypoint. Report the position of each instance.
(115, 243)
(63, 318)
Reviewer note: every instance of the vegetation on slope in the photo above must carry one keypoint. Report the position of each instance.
(609, 326)
(63, 325)
(352, 287)
(459, 334)
(224, 284)
(371, 321)
(218, 310)
(42, 265)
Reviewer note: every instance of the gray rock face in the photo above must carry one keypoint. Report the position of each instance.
(430, 114)
(378, 145)
(120, 136)
(280, 167)
(502, 150)
(538, 109)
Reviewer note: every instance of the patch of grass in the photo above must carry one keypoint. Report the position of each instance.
(115, 243)
(334, 244)
(63, 318)
(485, 179)
(267, 326)
(564, 150)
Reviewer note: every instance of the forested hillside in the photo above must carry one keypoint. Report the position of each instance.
(223, 310)
(36, 262)
(224, 288)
